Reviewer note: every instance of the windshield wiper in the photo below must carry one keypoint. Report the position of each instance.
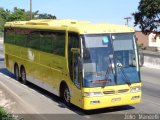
(109, 68)
(123, 72)
(107, 73)
(126, 77)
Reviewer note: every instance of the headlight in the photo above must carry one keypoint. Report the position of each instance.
(92, 94)
(135, 89)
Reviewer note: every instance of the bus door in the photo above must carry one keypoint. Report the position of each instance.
(77, 79)
(75, 68)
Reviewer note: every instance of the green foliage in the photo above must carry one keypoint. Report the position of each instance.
(2, 21)
(45, 16)
(3, 17)
(4, 14)
(20, 15)
(4, 115)
(148, 16)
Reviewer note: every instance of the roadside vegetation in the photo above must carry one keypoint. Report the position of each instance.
(4, 115)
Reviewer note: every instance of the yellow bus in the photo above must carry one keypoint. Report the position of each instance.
(89, 65)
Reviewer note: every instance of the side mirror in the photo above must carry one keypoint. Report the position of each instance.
(75, 50)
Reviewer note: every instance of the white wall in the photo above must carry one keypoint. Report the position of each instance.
(154, 42)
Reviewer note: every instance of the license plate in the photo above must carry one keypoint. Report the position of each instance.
(115, 99)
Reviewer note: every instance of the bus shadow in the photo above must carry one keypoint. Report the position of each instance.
(72, 107)
(100, 111)
(76, 109)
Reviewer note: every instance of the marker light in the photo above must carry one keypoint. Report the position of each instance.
(92, 94)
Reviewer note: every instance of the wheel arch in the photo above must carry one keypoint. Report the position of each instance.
(15, 65)
(22, 66)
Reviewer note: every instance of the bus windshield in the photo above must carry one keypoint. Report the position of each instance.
(109, 59)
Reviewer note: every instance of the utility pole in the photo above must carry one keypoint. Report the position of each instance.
(127, 20)
(31, 9)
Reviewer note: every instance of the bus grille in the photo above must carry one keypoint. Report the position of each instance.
(123, 90)
(113, 91)
(109, 92)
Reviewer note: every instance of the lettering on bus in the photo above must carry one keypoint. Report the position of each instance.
(31, 55)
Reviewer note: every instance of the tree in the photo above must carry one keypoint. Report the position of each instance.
(148, 16)
(3, 16)
(20, 15)
(1, 24)
(45, 16)
(4, 13)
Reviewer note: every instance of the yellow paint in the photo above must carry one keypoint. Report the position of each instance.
(52, 69)
(82, 27)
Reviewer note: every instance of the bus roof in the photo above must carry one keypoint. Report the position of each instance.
(82, 27)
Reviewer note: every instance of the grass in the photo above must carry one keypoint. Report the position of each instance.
(4, 115)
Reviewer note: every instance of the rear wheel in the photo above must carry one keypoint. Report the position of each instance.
(23, 75)
(16, 72)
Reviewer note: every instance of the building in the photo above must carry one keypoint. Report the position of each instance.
(142, 39)
(148, 41)
(154, 40)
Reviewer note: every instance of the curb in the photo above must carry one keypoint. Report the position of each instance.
(21, 106)
(14, 96)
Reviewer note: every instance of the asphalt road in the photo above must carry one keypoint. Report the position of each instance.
(47, 106)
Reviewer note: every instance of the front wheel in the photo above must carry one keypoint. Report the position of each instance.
(66, 96)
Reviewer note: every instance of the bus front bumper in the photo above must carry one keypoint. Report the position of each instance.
(111, 100)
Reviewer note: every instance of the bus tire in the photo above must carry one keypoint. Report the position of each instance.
(16, 72)
(65, 94)
(23, 75)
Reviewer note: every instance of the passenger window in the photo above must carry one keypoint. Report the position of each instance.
(9, 35)
(46, 42)
(59, 43)
(21, 36)
(34, 40)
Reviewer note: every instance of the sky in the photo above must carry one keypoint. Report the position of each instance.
(97, 11)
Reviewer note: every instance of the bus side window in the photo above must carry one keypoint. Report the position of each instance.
(46, 41)
(34, 40)
(9, 35)
(21, 36)
(59, 43)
